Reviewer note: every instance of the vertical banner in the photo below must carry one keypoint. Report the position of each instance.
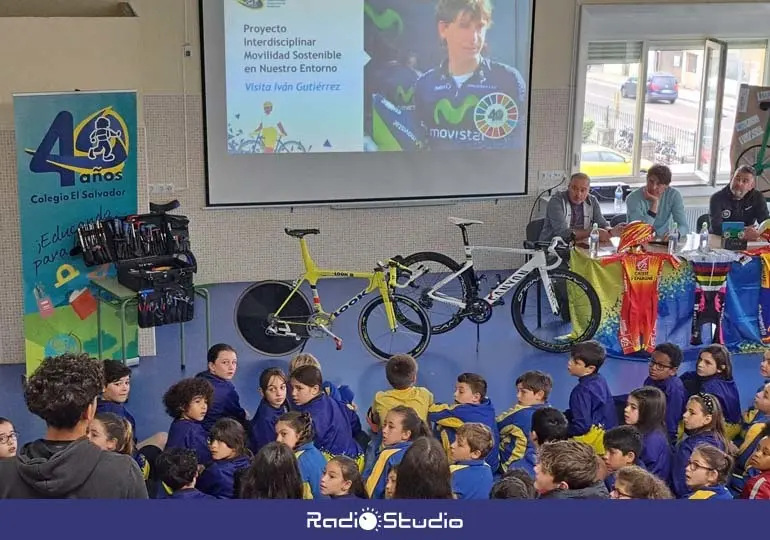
(76, 155)
(750, 123)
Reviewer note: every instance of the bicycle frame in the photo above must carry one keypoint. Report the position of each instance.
(537, 261)
(313, 274)
(760, 165)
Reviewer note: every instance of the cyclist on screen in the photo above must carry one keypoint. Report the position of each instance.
(269, 128)
(469, 101)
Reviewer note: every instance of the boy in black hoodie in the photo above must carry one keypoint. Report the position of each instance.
(65, 464)
(568, 470)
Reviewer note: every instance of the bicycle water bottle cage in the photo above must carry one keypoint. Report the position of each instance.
(156, 208)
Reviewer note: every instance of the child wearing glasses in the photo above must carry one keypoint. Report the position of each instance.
(665, 361)
(8, 439)
(704, 423)
(707, 473)
(633, 482)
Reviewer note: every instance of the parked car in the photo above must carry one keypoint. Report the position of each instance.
(599, 161)
(660, 87)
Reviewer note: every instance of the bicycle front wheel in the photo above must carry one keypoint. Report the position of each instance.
(750, 157)
(578, 317)
(255, 318)
(410, 337)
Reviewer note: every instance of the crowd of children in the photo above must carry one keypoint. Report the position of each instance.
(673, 437)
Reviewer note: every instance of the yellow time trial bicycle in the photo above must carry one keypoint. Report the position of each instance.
(276, 318)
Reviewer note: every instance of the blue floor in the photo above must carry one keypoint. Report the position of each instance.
(500, 358)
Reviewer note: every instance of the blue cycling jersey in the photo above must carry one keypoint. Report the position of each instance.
(487, 111)
(395, 82)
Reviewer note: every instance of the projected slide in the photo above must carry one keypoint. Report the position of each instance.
(375, 76)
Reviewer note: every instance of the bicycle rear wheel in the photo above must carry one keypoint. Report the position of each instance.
(408, 338)
(443, 317)
(254, 312)
(579, 311)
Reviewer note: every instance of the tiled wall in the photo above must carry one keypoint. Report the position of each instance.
(236, 245)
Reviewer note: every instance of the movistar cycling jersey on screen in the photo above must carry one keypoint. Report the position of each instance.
(486, 111)
(395, 82)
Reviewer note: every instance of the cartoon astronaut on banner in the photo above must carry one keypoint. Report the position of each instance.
(101, 139)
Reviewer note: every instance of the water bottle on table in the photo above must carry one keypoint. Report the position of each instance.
(619, 199)
(673, 239)
(703, 243)
(593, 242)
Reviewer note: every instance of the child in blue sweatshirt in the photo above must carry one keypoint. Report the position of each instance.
(471, 405)
(222, 364)
(295, 430)
(342, 394)
(272, 386)
(401, 427)
(342, 479)
(117, 388)
(646, 410)
(622, 447)
(747, 444)
(471, 475)
(591, 405)
(764, 371)
(187, 402)
(332, 429)
(178, 472)
(516, 449)
(707, 473)
(714, 375)
(227, 442)
(665, 361)
(704, 423)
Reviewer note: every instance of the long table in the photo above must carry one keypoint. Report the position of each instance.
(676, 298)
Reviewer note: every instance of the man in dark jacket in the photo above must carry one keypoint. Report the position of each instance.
(739, 201)
(65, 464)
(568, 470)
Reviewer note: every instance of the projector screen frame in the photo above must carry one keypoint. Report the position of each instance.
(375, 202)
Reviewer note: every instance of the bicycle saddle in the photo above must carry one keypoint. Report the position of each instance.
(156, 208)
(299, 233)
(460, 222)
(765, 105)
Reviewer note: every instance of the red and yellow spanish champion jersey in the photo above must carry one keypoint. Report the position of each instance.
(639, 311)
